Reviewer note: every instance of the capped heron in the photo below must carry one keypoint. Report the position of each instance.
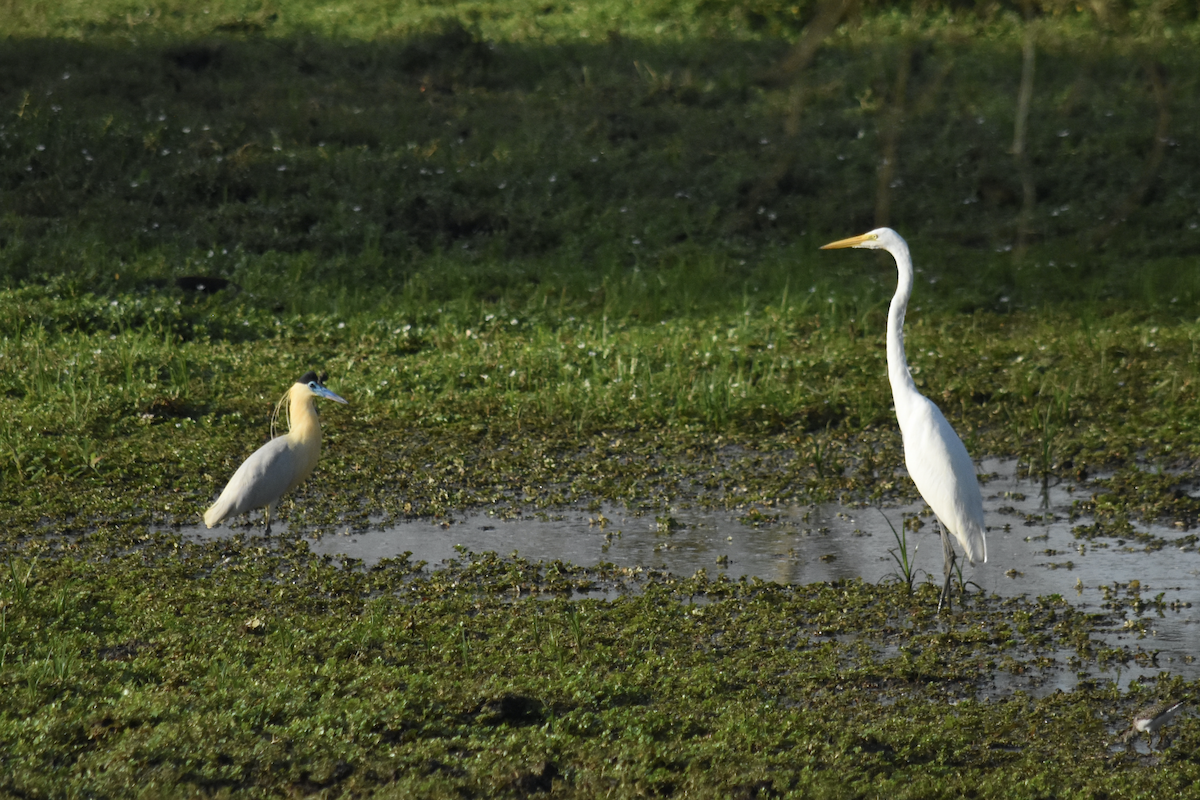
(936, 458)
(281, 464)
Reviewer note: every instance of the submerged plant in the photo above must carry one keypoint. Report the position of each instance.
(899, 553)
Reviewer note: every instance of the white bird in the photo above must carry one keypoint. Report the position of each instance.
(936, 458)
(281, 464)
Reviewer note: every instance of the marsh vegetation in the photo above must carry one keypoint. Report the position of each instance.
(559, 254)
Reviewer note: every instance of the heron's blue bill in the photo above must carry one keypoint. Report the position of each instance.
(321, 391)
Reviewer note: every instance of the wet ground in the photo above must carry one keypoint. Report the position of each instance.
(1031, 552)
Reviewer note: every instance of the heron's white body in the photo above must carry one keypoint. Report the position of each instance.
(936, 458)
(278, 466)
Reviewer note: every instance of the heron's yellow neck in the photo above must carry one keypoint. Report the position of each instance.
(305, 425)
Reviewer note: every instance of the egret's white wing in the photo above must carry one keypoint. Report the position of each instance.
(939, 464)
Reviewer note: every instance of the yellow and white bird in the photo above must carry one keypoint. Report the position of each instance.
(935, 457)
(281, 464)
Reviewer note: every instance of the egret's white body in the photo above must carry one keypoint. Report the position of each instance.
(281, 464)
(935, 457)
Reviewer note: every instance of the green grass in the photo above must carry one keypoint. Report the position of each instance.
(447, 156)
(555, 255)
(468, 408)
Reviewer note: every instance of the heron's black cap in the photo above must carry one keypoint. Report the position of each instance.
(311, 376)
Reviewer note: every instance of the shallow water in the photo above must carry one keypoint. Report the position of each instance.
(1031, 551)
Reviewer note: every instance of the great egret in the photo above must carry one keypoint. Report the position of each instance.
(936, 458)
(281, 464)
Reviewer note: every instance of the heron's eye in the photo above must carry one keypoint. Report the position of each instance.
(312, 385)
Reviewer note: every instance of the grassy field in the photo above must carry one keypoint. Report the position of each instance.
(556, 254)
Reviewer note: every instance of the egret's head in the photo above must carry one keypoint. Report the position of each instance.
(878, 239)
(316, 385)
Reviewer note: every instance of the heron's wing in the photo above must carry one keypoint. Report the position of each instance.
(259, 482)
(939, 464)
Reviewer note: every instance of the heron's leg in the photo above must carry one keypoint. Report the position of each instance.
(948, 559)
(267, 518)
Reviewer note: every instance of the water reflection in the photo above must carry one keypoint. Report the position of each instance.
(1031, 552)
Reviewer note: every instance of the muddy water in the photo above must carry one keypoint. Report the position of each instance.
(1031, 552)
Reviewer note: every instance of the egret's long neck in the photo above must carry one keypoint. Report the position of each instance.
(902, 382)
(302, 411)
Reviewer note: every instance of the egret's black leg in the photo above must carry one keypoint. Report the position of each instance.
(948, 559)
